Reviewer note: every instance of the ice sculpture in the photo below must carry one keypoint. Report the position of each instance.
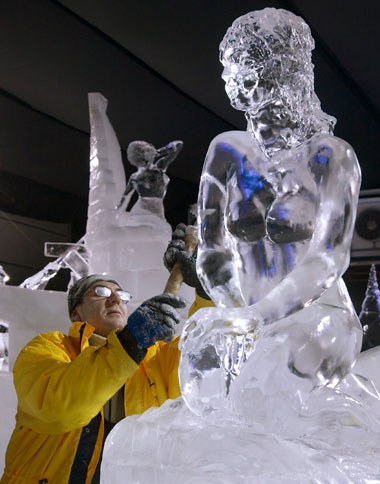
(127, 246)
(267, 373)
(150, 182)
(277, 207)
(370, 313)
(71, 256)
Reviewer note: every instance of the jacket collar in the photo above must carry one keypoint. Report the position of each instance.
(79, 333)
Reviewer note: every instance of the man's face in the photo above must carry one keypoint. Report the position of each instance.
(104, 313)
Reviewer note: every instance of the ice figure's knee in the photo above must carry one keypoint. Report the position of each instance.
(324, 344)
(210, 361)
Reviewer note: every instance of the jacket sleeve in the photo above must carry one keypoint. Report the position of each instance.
(56, 395)
(155, 381)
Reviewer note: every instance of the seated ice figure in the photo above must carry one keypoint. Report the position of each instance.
(267, 372)
(277, 206)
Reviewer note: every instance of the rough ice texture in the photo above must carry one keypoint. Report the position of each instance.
(266, 56)
(170, 445)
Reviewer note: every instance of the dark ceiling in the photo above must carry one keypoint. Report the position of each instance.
(157, 63)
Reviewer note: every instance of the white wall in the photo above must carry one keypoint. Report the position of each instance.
(27, 313)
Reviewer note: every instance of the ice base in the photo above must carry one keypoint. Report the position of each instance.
(171, 444)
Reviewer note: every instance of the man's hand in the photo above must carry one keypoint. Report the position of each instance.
(155, 319)
(176, 253)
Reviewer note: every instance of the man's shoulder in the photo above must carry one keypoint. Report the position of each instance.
(52, 341)
(50, 337)
(51, 345)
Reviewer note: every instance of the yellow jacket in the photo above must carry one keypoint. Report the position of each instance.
(156, 379)
(62, 385)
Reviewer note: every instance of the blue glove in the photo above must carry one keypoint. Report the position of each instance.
(155, 319)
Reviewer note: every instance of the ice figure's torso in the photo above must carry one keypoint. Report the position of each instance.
(150, 182)
(270, 207)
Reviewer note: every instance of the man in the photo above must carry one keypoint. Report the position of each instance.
(63, 382)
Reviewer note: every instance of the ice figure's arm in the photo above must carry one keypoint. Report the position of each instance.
(167, 154)
(216, 261)
(56, 395)
(328, 253)
(127, 195)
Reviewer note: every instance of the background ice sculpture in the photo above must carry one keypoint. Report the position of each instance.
(127, 245)
(150, 182)
(370, 313)
(68, 256)
(267, 372)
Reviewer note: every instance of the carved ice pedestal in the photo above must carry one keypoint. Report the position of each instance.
(170, 444)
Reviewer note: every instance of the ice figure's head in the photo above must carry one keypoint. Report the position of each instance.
(266, 56)
(141, 153)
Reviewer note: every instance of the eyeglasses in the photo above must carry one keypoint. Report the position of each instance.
(104, 291)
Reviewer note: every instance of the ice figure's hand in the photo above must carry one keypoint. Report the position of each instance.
(155, 319)
(215, 344)
(176, 252)
(218, 274)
